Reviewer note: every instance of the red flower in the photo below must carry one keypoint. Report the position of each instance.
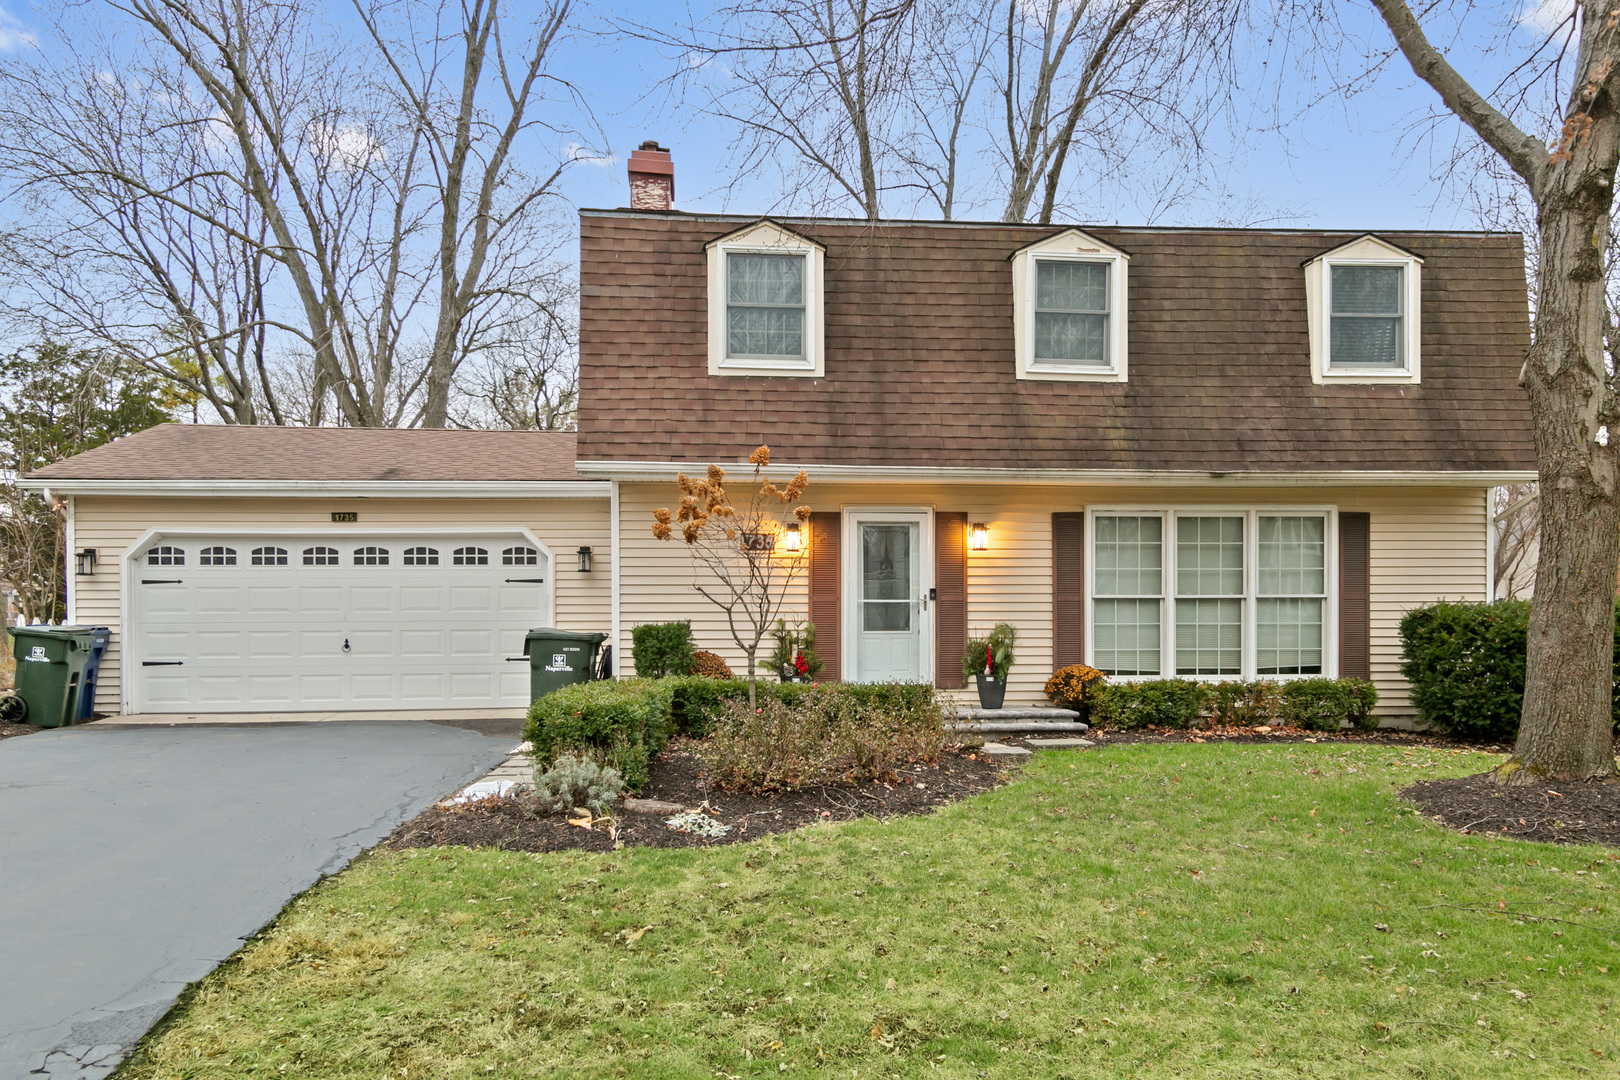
(989, 660)
(800, 664)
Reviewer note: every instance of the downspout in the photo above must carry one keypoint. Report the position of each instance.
(1490, 544)
(613, 563)
(69, 571)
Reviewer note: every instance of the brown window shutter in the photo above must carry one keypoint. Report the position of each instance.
(950, 598)
(1354, 613)
(824, 607)
(1068, 589)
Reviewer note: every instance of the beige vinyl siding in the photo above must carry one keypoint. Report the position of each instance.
(112, 524)
(1426, 544)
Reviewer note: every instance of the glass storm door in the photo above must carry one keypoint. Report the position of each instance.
(890, 599)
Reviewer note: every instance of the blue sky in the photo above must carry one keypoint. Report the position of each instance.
(1346, 164)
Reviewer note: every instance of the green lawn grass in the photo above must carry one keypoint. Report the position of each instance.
(1144, 911)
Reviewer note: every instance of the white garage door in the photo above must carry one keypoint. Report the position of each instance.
(261, 624)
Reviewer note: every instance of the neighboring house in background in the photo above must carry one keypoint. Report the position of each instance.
(1215, 453)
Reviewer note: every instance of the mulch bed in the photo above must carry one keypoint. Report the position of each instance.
(1565, 813)
(8, 730)
(676, 776)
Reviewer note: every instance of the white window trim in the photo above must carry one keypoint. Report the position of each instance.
(1251, 570)
(766, 238)
(1367, 251)
(1074, 245)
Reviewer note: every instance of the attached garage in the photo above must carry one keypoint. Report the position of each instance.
(274, 570)
(266, 622)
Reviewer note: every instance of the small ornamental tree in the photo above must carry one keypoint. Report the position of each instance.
(739, 562)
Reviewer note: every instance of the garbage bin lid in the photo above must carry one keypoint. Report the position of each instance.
(546, 633)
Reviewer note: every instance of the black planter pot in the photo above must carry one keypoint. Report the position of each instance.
(991, 692)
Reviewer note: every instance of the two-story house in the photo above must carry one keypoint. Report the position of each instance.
(1216, 453)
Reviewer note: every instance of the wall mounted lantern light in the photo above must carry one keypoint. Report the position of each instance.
(979, 536)
(584, 560)
(85, 562)
(794, 539)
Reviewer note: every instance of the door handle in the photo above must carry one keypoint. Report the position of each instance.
(160, 581)
(162, 663)
(526, 580)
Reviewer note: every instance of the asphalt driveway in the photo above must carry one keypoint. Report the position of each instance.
(134, 860)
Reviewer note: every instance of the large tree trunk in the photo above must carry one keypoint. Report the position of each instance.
(1566, 731)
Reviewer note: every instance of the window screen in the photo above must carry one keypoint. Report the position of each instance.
(1367, 317)
(765, 306)
(1129, 582)
(1292, 595)
(1071, 311)
(1209, 596)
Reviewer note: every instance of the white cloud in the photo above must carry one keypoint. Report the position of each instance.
(13, 34)
(350, 145)
(1542, 17)
(585, 156)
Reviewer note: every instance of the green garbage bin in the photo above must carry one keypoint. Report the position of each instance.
(51, 662)
(559, 658)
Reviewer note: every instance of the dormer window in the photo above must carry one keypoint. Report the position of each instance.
(765, 303)
(764, 307)
(1363, 300)
(1069, 309)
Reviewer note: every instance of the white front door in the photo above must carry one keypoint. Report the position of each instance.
(888, 578)
(251, 622)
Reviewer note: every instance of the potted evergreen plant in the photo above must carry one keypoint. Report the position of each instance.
(794, 657)
(988, 659)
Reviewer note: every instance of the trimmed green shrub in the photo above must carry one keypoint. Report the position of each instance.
(695, 701)
(661, 649)
(1171, 703)
(1328, 704)
(621, 724)
(829, 734)
(1466, 666)
(1235, 703)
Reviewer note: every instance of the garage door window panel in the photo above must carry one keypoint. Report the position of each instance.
(217, 556)
(371, 555)
(520, 556)
(269, 556)
(320, 556)
(421, 556)
(470, 556)
(165, 555)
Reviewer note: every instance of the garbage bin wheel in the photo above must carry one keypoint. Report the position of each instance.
(13, 709)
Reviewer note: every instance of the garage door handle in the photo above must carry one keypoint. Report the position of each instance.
(526, 580)
(517, 659)
(160, 581)
(161, 663)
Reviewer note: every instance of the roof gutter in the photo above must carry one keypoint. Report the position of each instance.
(357, 489)
(911, 474)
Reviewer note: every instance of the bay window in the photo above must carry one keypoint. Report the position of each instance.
(1217, 594)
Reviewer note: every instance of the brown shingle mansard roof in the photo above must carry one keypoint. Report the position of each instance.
(219, 452)
(920, 356)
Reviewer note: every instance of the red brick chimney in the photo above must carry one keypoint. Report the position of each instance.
(652, 178)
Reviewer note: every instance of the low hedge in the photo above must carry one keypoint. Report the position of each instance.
(1465, 663)
(619, 723)
(1314, 704)
(1327, 704)
(695, 701)
(1171, 703)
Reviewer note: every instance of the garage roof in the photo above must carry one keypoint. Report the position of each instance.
(378, 455)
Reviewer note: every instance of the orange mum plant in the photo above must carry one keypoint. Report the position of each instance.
(740, 563)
